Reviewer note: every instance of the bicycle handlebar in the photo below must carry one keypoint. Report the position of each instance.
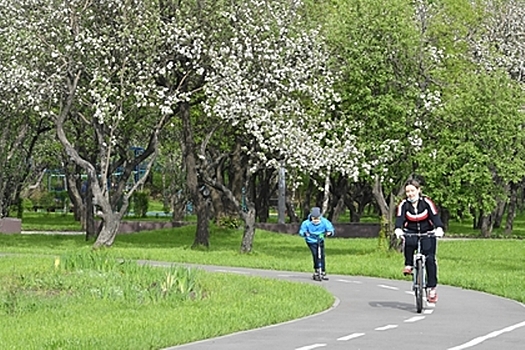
(420, 234)
(319, 236)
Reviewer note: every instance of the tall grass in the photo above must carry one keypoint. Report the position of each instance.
(94, 301)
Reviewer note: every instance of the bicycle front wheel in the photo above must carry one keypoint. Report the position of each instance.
(419, 288)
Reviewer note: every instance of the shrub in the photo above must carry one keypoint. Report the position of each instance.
(140, 203)
(96, 275)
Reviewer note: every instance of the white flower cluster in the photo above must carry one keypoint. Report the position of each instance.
(502, 44)
(277, 88)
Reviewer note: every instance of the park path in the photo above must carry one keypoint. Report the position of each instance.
(378, 314)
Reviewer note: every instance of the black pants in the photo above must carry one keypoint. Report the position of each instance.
(428, 248)
(316, 260)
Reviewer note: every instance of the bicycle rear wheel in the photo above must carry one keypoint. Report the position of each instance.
(419, 288)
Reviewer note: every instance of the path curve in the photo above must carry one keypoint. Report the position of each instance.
(378, 314)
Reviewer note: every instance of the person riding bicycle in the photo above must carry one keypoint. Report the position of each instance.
(418, 214)
(313, 229)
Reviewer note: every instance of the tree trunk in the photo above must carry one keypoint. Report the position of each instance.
(249, 230)
(381, 201)
(339, 192)
(178, 206)
(263, 190)
(291, 212)
(235, 178)
(384, 232)
(511, 212)
(499, 212)
(75, 196)
(305, 204)
(202, 235)
(217, 204)
(326, 193)
(445, 217)
(109, 230)
(247, 214)
(339, 208)
(355, 216)
(91, 229)
(486, 225)
(281, 196)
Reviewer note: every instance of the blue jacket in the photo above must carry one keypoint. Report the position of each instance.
(315, 230)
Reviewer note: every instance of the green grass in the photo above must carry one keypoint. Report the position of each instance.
(48, 222)
(57, 221)
(51, 309)
(93, 304)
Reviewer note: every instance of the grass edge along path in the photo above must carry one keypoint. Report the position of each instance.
(80, 309)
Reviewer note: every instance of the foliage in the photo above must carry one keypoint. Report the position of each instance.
(140, 203)
(230, 222)
(478, 131)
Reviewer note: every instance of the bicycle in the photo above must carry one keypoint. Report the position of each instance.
(419, 273)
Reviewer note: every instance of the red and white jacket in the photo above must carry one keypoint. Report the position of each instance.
(422, 217)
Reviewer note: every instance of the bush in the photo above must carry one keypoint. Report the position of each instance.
(229, 222)
(140, 203)
(95, 275)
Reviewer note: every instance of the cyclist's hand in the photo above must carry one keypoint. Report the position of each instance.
(329, 233)
(399, 233)
(439, 232)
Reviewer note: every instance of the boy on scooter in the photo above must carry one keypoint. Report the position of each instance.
(314, 229)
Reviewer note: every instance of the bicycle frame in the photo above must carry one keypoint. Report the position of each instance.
(419, 273)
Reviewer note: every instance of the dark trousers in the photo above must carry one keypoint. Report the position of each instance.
(316, 260)
(428, 248)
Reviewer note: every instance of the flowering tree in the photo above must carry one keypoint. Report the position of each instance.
(21, 127)
(500, 42)
(94, 63)
(271, 80)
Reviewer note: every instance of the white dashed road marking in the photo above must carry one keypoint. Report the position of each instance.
(351, 336)
(387, 287)
(384, 328)
(494, 334)
(415, 319)
(310, 347)
(347, 281)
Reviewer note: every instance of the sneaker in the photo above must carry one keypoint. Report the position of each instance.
(432, 296)
(316, 277)
(407, 270)
(324, 276)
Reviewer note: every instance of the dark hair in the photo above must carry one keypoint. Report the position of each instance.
(414, 182)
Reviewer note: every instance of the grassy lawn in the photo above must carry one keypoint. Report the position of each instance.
(59, 294)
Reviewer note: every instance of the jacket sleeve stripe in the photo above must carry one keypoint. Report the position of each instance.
(432, 206)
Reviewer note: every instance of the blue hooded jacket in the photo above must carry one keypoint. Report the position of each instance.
(314, 230)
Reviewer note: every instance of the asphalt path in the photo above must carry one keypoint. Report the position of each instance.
(378, 314)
